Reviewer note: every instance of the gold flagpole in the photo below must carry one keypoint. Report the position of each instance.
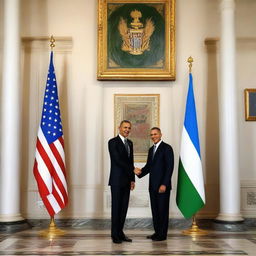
(52, 230)
(194, 230)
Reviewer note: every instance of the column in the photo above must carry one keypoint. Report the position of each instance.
(229, 164)
(10, 122)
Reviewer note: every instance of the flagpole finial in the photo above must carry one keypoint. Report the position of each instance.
(190, 60)
(52, 41)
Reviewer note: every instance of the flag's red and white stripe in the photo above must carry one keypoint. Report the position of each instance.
(50, 173)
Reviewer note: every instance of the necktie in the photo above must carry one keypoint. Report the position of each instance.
(127, 146)
(154, 150)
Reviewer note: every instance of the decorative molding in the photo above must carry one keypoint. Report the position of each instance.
(43, 42)
(251, 198)
(248, 183)
(215, 40)
(248, 198)
(139, 202)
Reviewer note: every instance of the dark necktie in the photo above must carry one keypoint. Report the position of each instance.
(154, 151)
(127, 146)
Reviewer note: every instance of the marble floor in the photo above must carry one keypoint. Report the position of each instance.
(98, 242)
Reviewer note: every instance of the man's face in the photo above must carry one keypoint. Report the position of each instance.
(125, 129)
(155, 136)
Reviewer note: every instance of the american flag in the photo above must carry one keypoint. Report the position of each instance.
(49, 167)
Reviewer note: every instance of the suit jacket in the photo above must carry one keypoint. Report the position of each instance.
(160, 167)
(122, 166)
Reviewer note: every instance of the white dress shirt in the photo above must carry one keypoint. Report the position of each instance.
(157, 144)
(122, 137)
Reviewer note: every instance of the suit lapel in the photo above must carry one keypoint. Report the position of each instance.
(151, 153)
(157, 151)
(122, 146)
(120, 142)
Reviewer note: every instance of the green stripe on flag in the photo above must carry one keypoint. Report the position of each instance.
(188, 200)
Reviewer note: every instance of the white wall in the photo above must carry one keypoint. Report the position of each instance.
(246, 63)
(87, 104)
(1, 47)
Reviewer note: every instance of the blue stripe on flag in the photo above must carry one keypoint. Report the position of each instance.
(190, 122)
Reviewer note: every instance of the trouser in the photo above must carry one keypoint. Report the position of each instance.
(160, 212)
(120, 200)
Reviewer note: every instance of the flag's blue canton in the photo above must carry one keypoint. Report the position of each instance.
(51, 121)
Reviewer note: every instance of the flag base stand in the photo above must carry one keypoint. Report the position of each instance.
(195, 230)
(52, 231)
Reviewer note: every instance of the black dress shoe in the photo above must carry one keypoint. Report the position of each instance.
(116, 240)
(126, 239)
(157, 238)
(151, 236)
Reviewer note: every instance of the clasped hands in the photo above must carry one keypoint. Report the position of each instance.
(137, 171)
(161, 189)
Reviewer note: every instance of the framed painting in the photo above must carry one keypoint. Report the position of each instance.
(136, 40)
(250, 104)
(142, 110)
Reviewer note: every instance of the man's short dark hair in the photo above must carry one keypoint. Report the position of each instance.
(156, 128)
(125, 121)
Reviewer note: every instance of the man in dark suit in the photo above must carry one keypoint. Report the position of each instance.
(160, 167)
(121, 180)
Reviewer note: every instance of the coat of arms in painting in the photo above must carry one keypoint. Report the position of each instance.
(136, 38)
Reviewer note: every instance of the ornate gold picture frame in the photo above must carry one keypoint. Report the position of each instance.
(136, 40)
(250, 104)
(142, 110)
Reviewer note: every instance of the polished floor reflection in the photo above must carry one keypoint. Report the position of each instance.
(98, 242)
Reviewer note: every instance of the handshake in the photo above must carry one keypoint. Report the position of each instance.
(137, 171)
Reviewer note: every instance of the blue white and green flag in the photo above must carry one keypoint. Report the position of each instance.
(190, 187)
